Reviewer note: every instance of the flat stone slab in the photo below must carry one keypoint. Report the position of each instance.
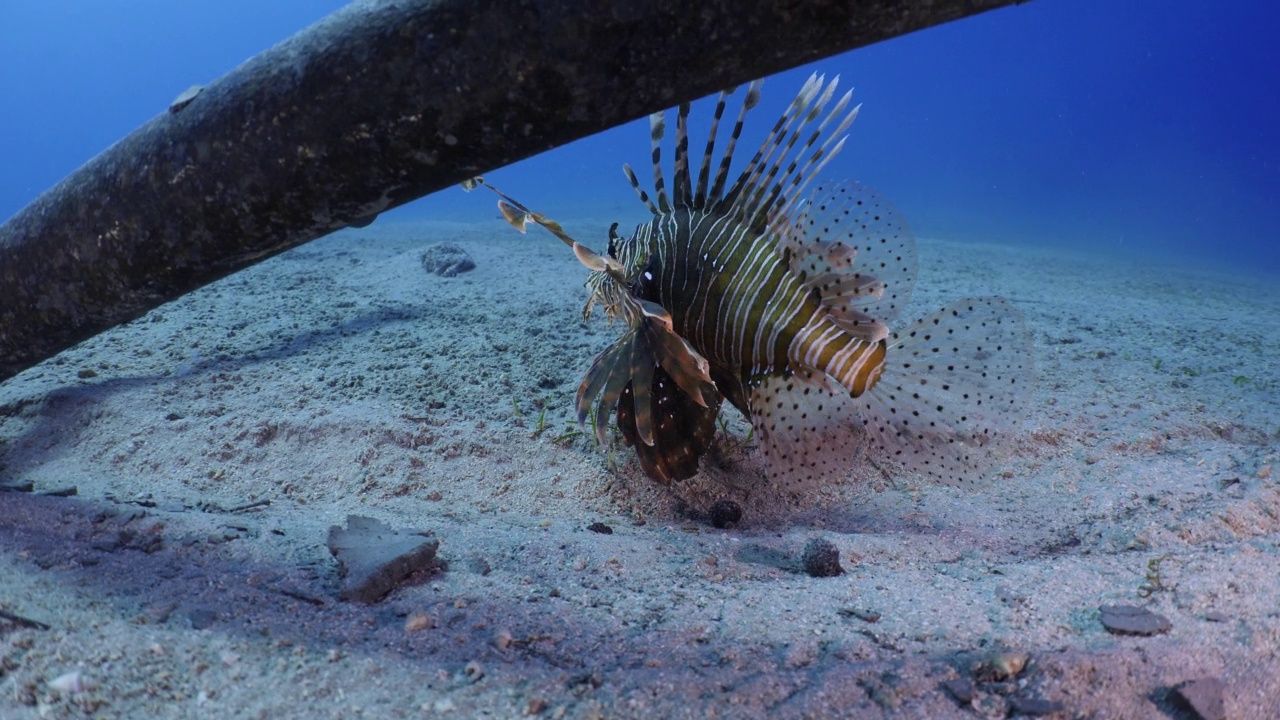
(373, 557)
(1133, 620)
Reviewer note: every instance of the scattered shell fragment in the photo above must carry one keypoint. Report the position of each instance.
(70, 683)
(502, 639)
(1001, 666)
(419, 621)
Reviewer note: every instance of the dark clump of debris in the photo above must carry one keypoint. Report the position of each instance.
(446, 260)
(373, 557)
(599, 527)
(725, 513)
(996, 686)
(821, 558)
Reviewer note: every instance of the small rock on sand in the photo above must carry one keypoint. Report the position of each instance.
(374, 557)
(446, 260)
(1132, 620)
(1204, 697)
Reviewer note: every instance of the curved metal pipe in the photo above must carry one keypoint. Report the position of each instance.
(374, 106)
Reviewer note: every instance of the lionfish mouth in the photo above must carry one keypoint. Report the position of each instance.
(777, 293)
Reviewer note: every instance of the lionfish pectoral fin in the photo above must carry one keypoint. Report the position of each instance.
(609, 374)
(595, 261)
(686, 366)
(682, 430)
(853, 251)
(955, 387)
(805, 424)
(641, 389)
(516, 218)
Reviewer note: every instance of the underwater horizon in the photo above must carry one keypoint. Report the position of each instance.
(1137, 128)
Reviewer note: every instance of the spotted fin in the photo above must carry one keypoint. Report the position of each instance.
(954, 387)
(852, 249)
(806, 427)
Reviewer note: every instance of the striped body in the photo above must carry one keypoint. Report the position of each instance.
(738, 303)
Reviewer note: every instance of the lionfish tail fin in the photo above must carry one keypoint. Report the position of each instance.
(957, 385)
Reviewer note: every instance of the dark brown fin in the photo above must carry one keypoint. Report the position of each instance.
(852, 249)
(682, 430)
(608, 375)
(633, 359)
(806, 427)
(956, 385)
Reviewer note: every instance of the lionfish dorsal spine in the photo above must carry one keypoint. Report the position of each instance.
(746, 182)
(823, 155)
(682, 184)
(704, 172)
(635, 185)
(658, 128)
(716, 193)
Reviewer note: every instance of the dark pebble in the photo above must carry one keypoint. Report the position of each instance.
(202, 618)
(725, 513)
(821, 558)
(1132, 620)
(601, 528)
(961, 689)
(870, 616)
(1034, 706)
(1204, 698)
(110, 545)
(70, 491)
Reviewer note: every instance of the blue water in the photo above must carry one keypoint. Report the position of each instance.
(1142, 127)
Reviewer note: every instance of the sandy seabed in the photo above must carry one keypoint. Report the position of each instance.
(341, 378)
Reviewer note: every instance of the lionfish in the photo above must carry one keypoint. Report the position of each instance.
(779, 302)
